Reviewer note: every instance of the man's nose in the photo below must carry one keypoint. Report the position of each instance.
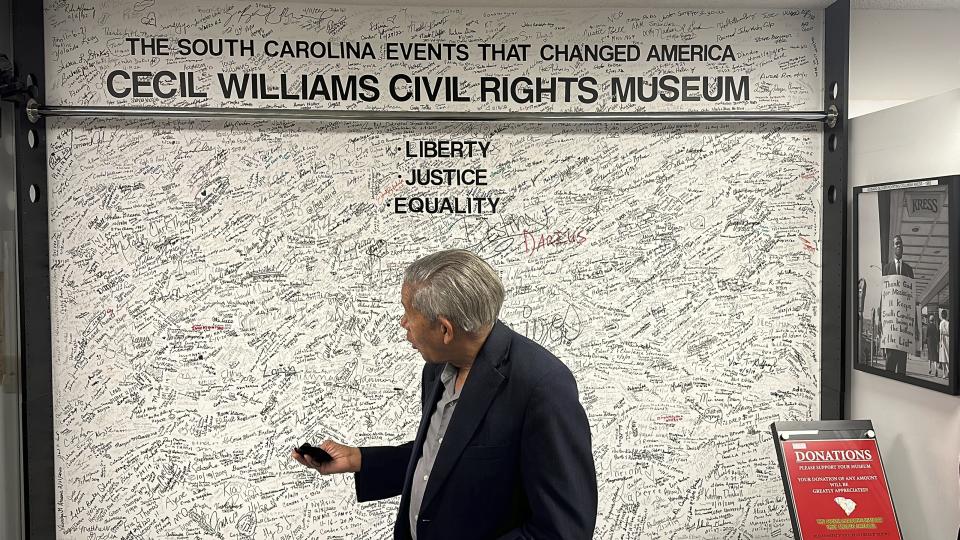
(403, 322)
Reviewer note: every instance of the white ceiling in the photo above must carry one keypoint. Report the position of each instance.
(709, 4)
(906, 4)
(712, 4)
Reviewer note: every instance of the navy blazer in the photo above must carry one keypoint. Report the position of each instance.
(515, 463)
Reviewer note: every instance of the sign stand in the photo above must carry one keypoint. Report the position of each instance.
(834, 480)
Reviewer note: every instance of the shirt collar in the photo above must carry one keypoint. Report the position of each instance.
(448, 374)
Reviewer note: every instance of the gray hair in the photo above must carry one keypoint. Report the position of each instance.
(457, 285)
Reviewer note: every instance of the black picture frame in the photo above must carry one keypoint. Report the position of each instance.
(923, 214)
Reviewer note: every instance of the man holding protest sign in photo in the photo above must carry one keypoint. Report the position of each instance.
(897, 310)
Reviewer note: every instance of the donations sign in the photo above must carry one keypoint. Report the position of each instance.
(897, 313)
(839, 489)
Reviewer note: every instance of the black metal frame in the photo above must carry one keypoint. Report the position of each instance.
(953, 193)
(36, 370)
(34, 259)
(833, 278)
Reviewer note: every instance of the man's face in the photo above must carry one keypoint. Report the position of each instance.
(425, 336)
(898, 247)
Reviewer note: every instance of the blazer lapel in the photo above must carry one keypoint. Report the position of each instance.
(478, 392)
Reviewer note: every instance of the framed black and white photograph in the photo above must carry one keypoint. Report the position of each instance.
(905, 259)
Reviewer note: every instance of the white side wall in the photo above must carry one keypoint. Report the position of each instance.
(898, 56)
(917, 428)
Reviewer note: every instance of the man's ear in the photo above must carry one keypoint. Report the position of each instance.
(446, 327)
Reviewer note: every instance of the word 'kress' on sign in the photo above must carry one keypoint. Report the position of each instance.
(926, 203)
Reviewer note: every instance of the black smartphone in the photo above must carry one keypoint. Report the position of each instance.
(318, 454)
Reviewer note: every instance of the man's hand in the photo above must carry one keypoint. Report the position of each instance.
(346, 459)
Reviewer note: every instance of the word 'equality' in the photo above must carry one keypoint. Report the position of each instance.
(445, 205)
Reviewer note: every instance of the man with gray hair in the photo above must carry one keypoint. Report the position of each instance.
(503, 450)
